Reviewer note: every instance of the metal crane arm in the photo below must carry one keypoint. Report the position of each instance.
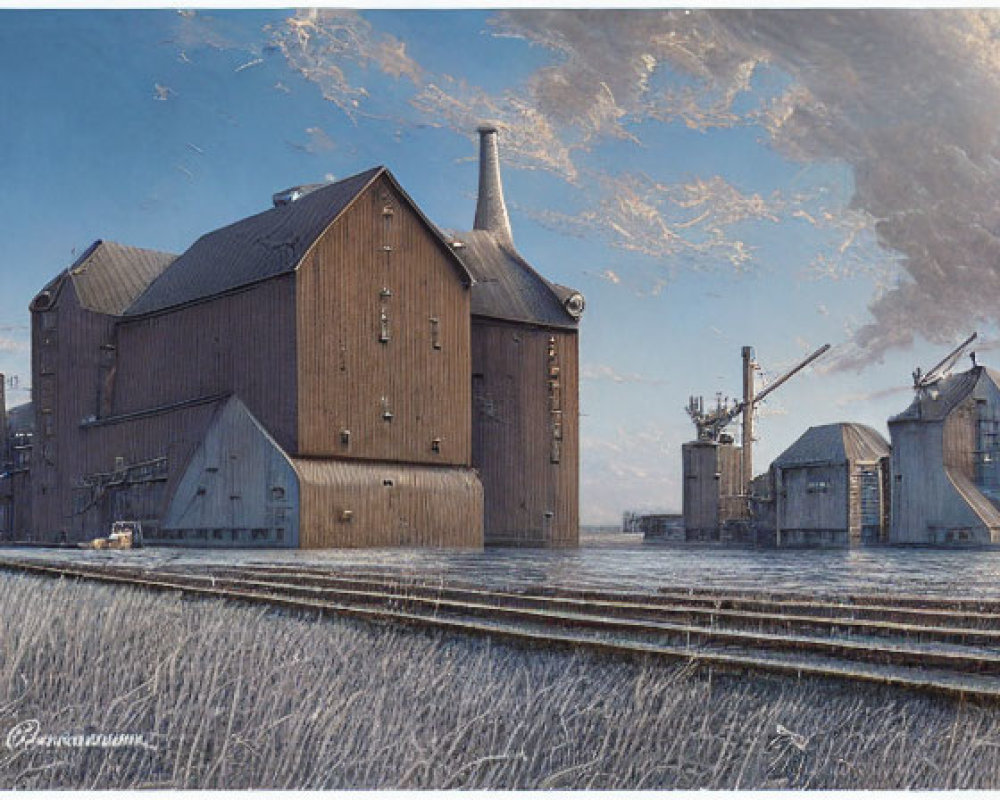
(801, 365)
(937, 371)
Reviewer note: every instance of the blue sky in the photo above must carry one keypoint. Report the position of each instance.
(780, 179)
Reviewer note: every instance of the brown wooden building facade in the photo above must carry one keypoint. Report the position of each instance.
(302, 377)
(525, 378)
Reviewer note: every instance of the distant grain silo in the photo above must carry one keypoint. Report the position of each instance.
(713, 487)
(946, 461)
(829, 487)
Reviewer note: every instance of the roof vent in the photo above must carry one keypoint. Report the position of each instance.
(289, 196)
(491, 211)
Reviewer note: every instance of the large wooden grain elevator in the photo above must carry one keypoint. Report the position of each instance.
(330, 372)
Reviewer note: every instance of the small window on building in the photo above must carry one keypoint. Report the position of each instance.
(435, 333)
(277, 493)
(383, 326)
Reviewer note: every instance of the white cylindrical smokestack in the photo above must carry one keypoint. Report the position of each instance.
(491, 211)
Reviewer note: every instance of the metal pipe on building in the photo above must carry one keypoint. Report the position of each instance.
(748, 400)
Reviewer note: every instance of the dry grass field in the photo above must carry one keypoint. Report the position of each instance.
(240, 697)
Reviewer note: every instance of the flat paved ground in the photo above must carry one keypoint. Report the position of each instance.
(622, 561)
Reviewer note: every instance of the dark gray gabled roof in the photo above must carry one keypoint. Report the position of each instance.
(108, 277)
(266, 245)
(113, 275)
(506, 286)
(256, 248)
(836, 443)
(940, 399)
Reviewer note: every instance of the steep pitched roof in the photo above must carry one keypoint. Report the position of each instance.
(114, 275)
(506, 286)
(839, 442)
(936, 403)
(108, 277)
(264, 245)
(261, 246)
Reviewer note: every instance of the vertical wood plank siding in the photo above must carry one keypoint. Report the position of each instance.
(713, 479)
(731, 500)
(814, 504)
(529, 500)
(356, 504)
(959, 442)
(350, 380)
(243, 343)
(700, 488)
(65, 352)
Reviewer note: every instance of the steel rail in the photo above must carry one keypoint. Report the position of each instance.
(962, 683)
(817, 612)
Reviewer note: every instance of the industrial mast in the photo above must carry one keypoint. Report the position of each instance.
(717, 474)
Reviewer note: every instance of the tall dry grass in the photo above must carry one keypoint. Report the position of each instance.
(247, 698)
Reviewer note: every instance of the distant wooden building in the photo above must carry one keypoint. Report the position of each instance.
(303, 378)
(15, 472)
(946, 462)
(829, 487)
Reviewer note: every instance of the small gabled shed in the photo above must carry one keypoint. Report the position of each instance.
(830, 487)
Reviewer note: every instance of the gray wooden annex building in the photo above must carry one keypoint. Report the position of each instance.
(829, 487)
(946, 462)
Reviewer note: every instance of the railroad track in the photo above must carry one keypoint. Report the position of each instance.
(942, 645)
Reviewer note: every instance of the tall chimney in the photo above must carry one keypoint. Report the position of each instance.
(491, 211)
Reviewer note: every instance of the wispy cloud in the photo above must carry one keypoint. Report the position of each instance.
(317, 141)
(530, 139)
(161, 92)
(852, 400)
(9, 345)
(254, 62)
(320, 43)
(632, 469)
(604, 372)
(907, 98)
(661, 221)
